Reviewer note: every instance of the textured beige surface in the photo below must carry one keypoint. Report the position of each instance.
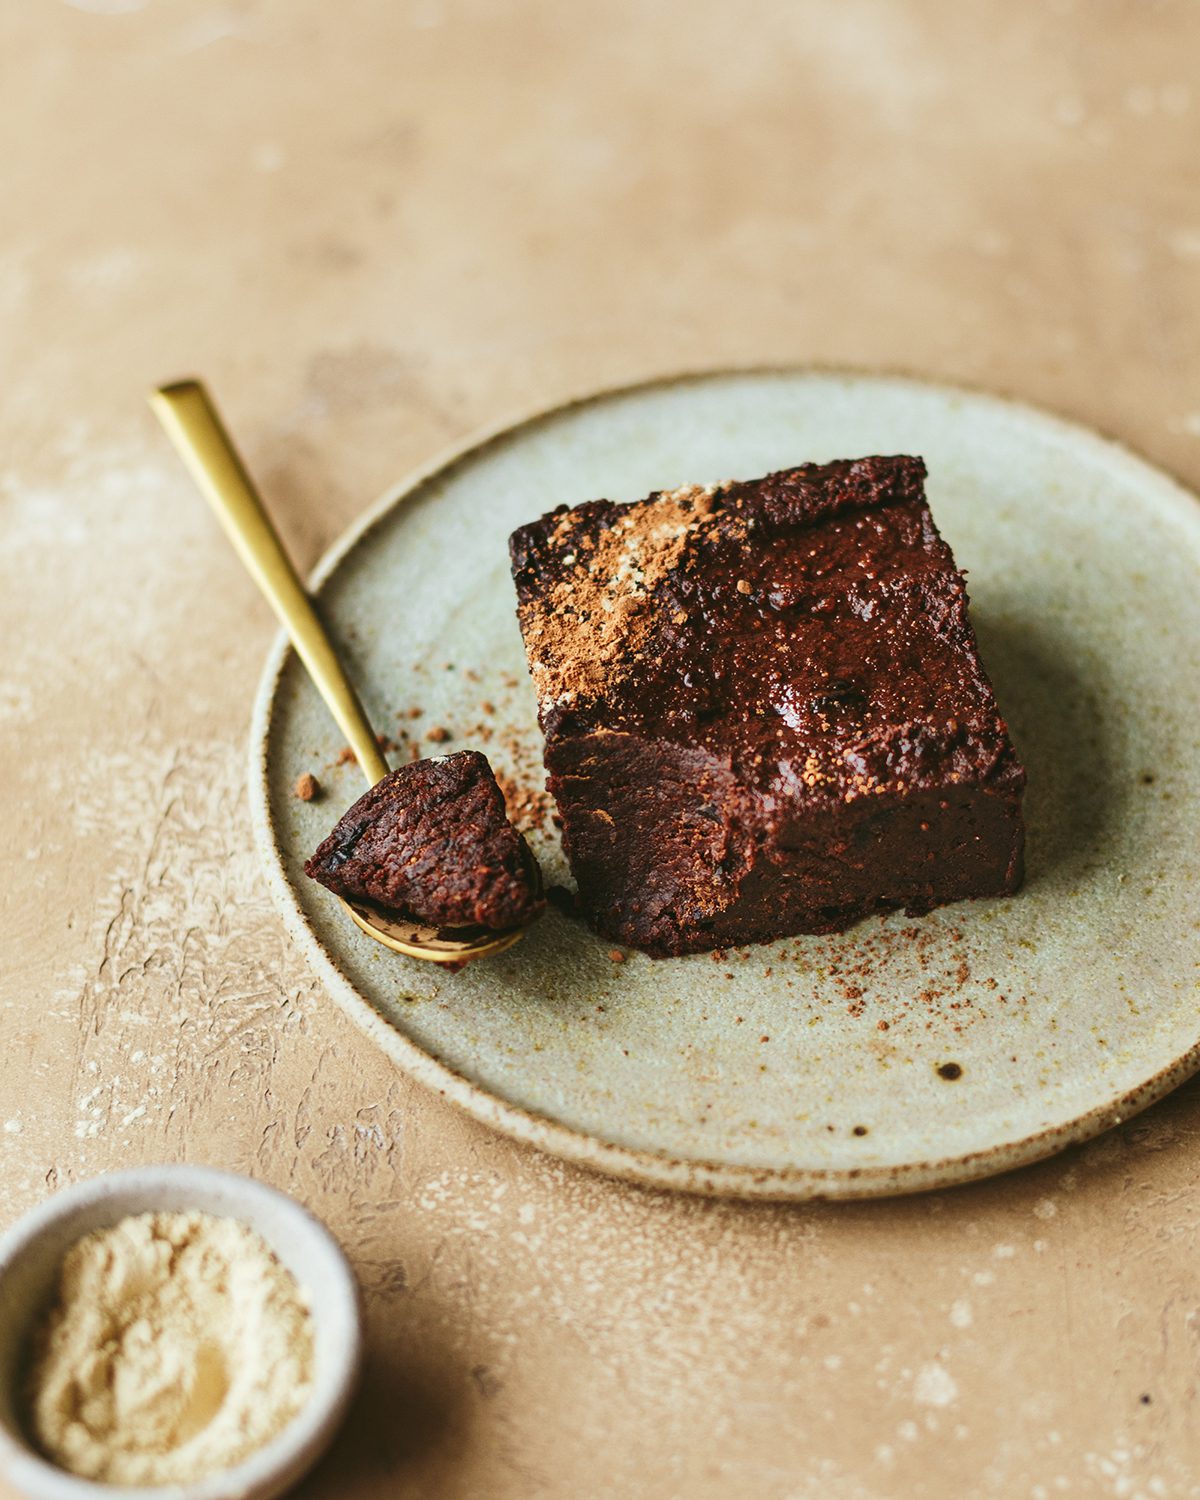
(375, 228)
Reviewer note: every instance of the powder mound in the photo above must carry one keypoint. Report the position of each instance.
(177, 1346)
(433, 842)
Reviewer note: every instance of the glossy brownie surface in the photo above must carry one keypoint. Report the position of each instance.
(432, 842)
(764, 707)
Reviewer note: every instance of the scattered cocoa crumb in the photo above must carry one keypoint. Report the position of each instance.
(346, 757)
(528, 807)
(471, 674)
(881, 1026)
(307, 787)
(439, 734)
(415, 713)
(764, 1038)
(616, 956)
(486, 707)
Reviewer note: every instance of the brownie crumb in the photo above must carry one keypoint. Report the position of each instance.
(439, 734)
(346, 757)
(616, 956)
(307, 787)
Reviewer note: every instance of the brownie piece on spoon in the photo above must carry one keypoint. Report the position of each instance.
(432, 842)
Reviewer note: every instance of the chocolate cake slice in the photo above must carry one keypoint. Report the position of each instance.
(432, 842)
(764, 708)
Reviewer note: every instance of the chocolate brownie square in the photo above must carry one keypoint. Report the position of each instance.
(764, 708)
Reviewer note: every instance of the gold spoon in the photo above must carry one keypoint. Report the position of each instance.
(187, 413)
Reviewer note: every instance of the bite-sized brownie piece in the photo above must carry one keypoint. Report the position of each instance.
(764, 708)
(432, 842)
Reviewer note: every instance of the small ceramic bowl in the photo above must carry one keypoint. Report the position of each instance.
(32, 1252)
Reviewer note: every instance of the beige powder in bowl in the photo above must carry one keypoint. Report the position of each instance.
(178, 1344)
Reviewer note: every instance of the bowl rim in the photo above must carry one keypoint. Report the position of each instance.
(336, 1304)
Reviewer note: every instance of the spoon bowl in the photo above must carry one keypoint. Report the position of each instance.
(190, 420)
(440, 945)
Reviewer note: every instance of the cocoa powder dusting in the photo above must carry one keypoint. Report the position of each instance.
(592, 623)
(860, 975)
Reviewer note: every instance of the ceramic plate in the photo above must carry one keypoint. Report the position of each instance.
(903, 1054)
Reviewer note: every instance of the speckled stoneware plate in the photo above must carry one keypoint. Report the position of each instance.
(903, 1054)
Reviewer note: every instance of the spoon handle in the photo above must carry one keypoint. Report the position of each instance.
(191, 422)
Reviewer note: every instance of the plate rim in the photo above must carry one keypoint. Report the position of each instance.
(633, 1164)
